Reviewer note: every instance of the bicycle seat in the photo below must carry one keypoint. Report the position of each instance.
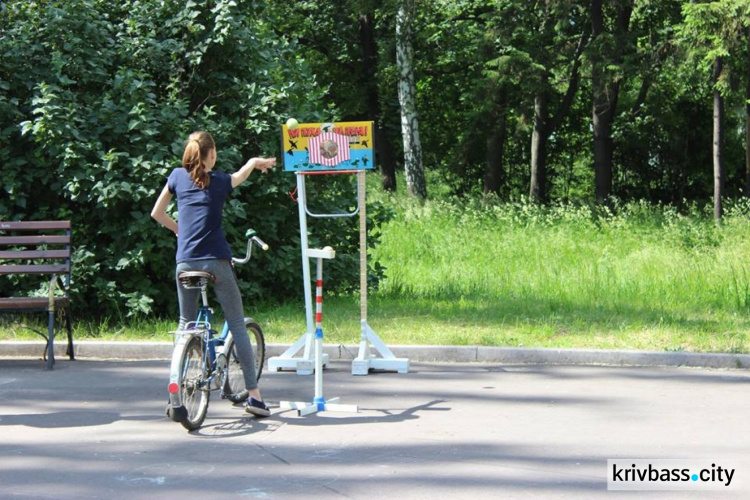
(195, 279)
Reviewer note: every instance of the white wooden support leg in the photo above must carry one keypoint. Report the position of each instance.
(365, 360)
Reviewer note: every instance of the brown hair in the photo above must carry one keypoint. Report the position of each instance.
(197, 148)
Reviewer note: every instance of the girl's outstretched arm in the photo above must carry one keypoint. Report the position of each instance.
(262, 164)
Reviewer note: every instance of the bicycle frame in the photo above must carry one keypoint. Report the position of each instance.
(214, 370)
(210, 341)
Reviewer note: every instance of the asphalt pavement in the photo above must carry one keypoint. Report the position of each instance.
(95, 428)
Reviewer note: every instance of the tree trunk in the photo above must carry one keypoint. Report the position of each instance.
(603, 118)
(383, 146)
(718, 141)
(545, 126)
(415, 179)
(493, 177)
(538, 185)
(602, 126)
(606, 91)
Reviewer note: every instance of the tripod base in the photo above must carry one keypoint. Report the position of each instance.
(365, 361)
(304, 409)
(363, 366)
(304, 364)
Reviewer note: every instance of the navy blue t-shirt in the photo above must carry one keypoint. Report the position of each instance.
(199, 233)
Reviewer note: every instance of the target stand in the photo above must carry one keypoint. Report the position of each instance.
(382, 358)
(308, 151)
(318, 403)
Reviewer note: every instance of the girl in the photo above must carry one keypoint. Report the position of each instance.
(201, 245)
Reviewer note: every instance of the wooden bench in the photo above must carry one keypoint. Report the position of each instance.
(39, 248)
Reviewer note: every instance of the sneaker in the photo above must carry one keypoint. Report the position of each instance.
(237, 397)
(257, 408)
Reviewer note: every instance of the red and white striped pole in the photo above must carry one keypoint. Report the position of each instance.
(318, 399)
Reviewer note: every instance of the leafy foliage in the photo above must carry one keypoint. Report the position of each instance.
(95, 101)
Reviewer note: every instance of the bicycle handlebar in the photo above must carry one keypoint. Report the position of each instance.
(262, 244)
(251, 238)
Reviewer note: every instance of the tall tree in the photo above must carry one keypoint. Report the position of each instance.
(557, 39)
(457, 101)
(415, 178)
(718, 141)
(610, 39)
(655, 119)
(497, 134)
(716, 32)
(370, 57)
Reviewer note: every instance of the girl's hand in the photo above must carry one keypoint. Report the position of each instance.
(263, 164)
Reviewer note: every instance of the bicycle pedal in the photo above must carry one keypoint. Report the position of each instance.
(237, 397)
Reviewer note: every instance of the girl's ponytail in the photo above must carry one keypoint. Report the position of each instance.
(198, 146)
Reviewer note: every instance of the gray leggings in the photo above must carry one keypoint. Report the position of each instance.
(228, 294)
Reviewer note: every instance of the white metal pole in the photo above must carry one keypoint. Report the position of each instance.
(306, 278)
(364, 345)
(362, 246)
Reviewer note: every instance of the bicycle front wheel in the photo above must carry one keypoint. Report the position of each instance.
(235, 382)
(194, 390)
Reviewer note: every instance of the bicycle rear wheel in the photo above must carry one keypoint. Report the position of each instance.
(235, 382)
(194, 390)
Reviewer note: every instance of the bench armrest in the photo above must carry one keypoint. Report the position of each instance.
(54, 283)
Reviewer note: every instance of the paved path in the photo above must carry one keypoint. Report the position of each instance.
(440, 353)
(94, 429)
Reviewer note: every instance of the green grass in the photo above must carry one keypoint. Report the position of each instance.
(484, 272)
(636, 277)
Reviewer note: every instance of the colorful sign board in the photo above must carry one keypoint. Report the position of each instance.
(328, 146)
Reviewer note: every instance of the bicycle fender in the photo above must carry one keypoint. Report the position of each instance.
(175, 370)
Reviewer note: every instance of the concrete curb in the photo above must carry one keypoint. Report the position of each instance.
(466, 354)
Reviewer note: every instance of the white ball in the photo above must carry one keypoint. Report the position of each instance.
(328, 249)
(292, 123)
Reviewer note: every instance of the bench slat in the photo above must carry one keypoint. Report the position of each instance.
(34, 254)
(34, 225)
(24, 303)
(35, 240)
(35, 269)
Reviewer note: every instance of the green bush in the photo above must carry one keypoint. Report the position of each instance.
(96, 100)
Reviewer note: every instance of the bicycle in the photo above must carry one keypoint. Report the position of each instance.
(204, 360)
